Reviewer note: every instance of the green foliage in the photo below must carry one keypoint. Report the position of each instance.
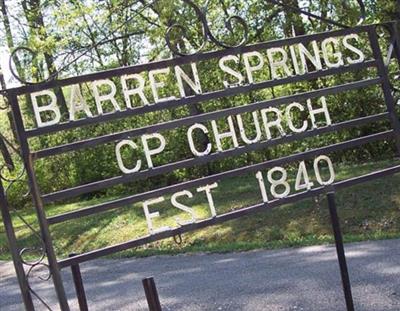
(122, 33)
(367, 212)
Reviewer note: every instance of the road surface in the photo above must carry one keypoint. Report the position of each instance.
(291, 279)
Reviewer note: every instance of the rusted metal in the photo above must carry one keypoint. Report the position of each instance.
(150, 290)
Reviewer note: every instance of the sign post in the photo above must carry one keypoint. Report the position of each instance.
(340, 251)
(14, 250)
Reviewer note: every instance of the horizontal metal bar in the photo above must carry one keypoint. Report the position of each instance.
(200, 118)
(212, 178)
(225, 217)
(197, 98)
(184, 60)
(167, 168)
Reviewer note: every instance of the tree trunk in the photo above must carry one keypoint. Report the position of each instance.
(293, 19)
(11, 46)
(9, 37)
(34, 16)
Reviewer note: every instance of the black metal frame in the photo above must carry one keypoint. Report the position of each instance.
(39, 199)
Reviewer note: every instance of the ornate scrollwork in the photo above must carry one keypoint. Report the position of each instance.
(175, 45)
(176, 35)
(8, 164)
(34, 55)
(39, 253)
(37, 265)
(207, 34)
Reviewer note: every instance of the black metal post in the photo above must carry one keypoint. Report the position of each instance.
(38, 203)
(386, 85)
(79, 288)
(12, 241)
(340, 251)
(150, 290)
(395, 37)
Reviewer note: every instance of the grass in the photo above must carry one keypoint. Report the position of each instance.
(368, 212)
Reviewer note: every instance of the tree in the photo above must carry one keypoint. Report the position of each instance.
(37, 27)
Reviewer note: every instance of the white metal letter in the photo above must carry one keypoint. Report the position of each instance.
(50, 107)
(219, 136)
(183, 207)
(261, 183)
(191, 141)
(77, 103)
(120, 161)
(294, 60)
(139, 90)
(150, 152)
(249, 68)
(330, 167)
(278, 182)
(314, 112)
(194, 85)
(150, 216)
(207, 189)
(243, 131)
(314, 59)
(330, 53)
(290, 120)
(99, 98)
(276, 64)
(277, 122)
(230, 71)
(303, 174)
(347, 45)
(155, 85)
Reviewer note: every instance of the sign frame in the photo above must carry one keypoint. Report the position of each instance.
(29, 157)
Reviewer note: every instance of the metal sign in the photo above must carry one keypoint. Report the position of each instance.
(142, 89)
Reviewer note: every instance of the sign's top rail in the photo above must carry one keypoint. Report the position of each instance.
(182, 60)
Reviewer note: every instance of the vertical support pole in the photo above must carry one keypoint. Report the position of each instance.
(79, 288)
(398, 8)
(395, 37)
(151, 294)
(38, 203)
(340, 251)
(12, 241)
(386, 86)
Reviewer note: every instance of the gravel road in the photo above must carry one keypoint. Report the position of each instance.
(292, 279)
